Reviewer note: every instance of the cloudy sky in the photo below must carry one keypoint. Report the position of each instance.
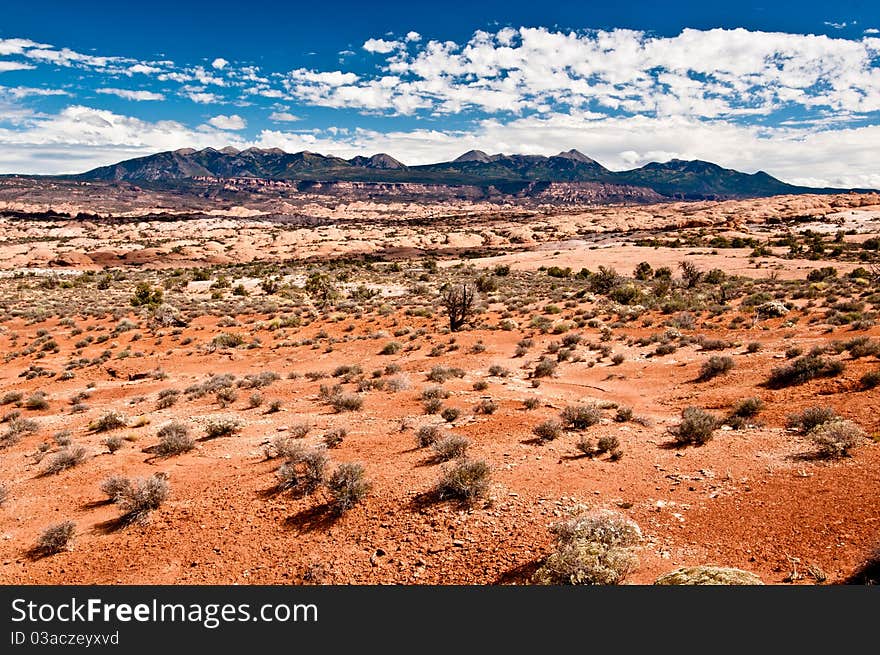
(789, 88)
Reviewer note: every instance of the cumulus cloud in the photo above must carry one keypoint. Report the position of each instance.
(233, 122)
(219, 63)
(129, 94)
(283, 117)
(381, 46)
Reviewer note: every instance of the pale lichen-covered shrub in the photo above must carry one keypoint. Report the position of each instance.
(708, 575)
(592, 549)
(836, 439)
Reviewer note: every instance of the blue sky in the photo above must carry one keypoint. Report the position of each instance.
(790, 88)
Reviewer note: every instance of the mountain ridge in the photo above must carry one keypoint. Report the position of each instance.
(677, 178)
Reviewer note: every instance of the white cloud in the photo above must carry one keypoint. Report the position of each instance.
(15, 66)
(872, 30)
(203, 98)
(219, 63)
(233, 122)
(25, 91)
(129, 94)
(144, 69)
(283, 117)
(381, 46)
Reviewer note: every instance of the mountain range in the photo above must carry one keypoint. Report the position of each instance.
(680, 179)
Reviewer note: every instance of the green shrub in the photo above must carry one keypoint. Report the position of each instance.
(809, 418)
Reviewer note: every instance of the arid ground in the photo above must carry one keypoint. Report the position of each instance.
(246, 346)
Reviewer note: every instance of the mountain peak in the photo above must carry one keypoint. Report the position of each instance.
(473, 155)
(576, 155)
(229, 150)
(185, 152)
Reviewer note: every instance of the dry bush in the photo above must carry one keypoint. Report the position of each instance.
(708, 575)
(580, 417)
(593, 549)
(715, 366)
(696, 427)
(304, 471)
(836, 439)
(809, 418)
(142, 496)
(548, 430)
(56, 538)
(174, 439)
(66, 458)
(348, 486)
(112, 420)
(467, 480)
(450, 447)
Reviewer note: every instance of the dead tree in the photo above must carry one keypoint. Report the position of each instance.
(458, 300)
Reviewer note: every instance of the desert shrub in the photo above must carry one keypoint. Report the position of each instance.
(304, 471)
(690, 274)
(449, 414)
(531, 403)
(608, 443)
(643, 272)
(283, 446)
(334, 437)
(623, 415)
(391, 348)
(66, 458)
(594, 549)
(467, 480)
(224, 427)
(427, 435)
(870, 380)
(863, 347)
(747, 407)
(18, 427)
(274, 406)
(459, 301)
(836, 439)
(580, 417)
(433, 392)
(226, 397)
(496, 370)
(715, 366)
(803, 369)
(174, 439)
(227, 340)
(617, 359)
(347, 402)
(115, 486)
(753, 346)
(4, 493)
(432, 405)
(696, 427)
(486, 406)
(809, 418)
(348, 486)
(450, 447)
(142, 496)
(544, 368)
(548, 430)
(708, 575)
(585, 446)
(255, 400)
(109, 421)
(480, 385)
(167, 398)
(112, 444)
(56, 538)
(36, 401)
(11, 397)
